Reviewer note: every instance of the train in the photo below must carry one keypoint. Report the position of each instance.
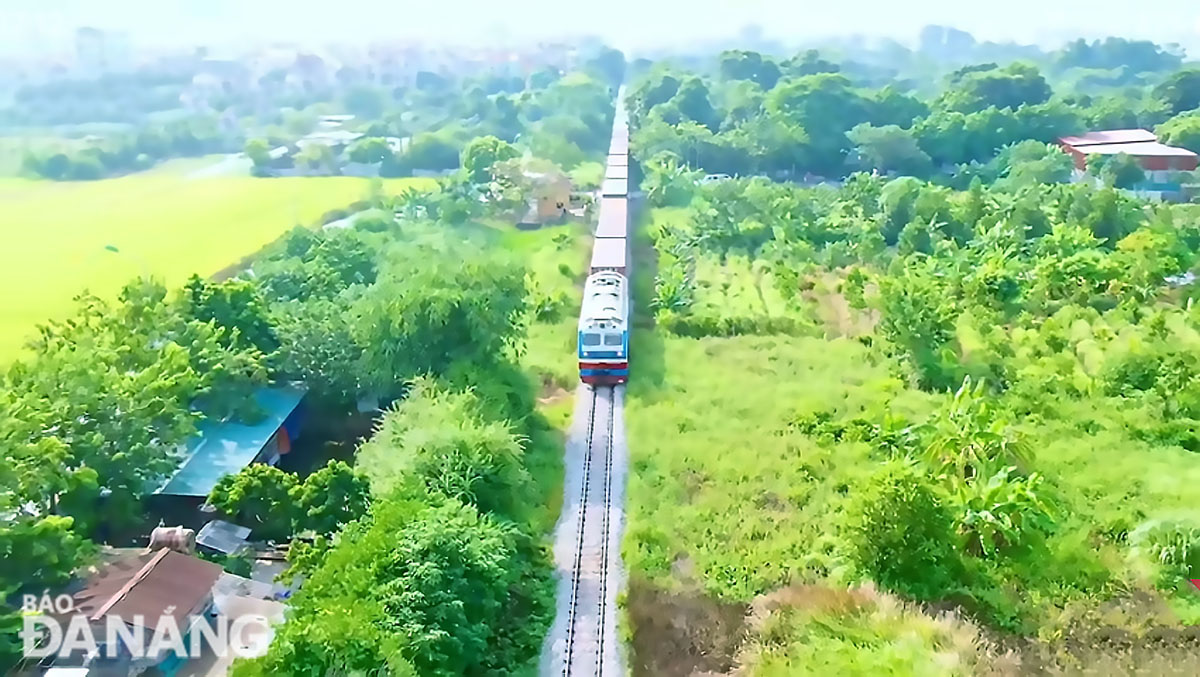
(604, 318)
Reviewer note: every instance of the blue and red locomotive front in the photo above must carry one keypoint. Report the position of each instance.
(604, 329)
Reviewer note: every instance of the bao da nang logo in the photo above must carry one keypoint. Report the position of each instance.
(52, 627)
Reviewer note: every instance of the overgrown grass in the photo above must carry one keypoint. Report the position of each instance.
(728, 500)
(810, 630)
(163, 224)
(721, 487)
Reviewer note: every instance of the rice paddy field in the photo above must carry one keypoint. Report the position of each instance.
(59, 236)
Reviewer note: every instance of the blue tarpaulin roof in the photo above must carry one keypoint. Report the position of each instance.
(220, 448)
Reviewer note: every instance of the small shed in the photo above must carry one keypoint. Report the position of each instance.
(225, 447)
(550, 198)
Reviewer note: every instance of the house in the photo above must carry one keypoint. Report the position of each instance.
(550, 198)
(225, 447)
(159, 591)
(1160, 161)
(142, 591)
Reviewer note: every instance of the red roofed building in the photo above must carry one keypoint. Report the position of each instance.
(1160, 161)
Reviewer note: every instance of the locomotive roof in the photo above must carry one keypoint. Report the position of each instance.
(604, 302)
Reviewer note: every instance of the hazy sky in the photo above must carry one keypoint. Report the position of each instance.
(623, 22)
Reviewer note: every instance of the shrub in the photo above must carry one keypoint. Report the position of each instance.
(902, 534)
(438, 439)
(1173, 545)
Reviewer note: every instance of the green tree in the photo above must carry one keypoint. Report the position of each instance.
(439, 440)
(738, 64)
(1181, 130)
(432, 152)
(608, 65)
(317, 348)
(918, 318)
(235, 305)
(441, 588)
(330, 498)
(825, 106)
(434, 306)
(692, 103)
(1123, 171)
(1180, 91)
(889, 148)
(977, 88)
(370, 150)
(483, 152)
(120, 386)
(317, 157)
(259, 496)
(258, 151)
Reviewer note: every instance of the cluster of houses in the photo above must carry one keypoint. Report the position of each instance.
(168, 586)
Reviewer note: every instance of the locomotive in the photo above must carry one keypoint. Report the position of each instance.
(604, 329)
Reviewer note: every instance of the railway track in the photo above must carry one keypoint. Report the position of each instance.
(590, 631)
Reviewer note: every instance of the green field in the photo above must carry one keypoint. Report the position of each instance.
(55, 234)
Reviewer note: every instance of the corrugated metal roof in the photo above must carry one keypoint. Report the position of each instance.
(1140, 149)
(614, 217)
(151, 585)
(1110, 136)
(221, 448)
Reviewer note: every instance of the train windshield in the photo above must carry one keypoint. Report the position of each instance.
(612, 339)
(591, 339)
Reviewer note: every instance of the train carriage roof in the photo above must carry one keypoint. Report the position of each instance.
(618, 160)
(609, 253)
(616, 172)
(614, 218)
(615, 188)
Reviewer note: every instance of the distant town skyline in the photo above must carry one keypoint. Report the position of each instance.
(628, 24)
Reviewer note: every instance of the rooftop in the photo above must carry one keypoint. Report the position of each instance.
(1137, 149)
(152, 585)
(1109, 137)
(220, 448)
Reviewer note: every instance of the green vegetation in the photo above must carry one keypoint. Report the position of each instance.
(161, 224)
(983, 401)
(746, 113)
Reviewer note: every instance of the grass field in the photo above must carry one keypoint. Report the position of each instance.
(55, 234)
